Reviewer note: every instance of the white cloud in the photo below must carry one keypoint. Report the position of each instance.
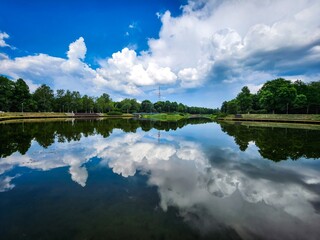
(5, 183)
(211, 41)
(3, 56)
(3, 36)
(79, 173)
(77, 50)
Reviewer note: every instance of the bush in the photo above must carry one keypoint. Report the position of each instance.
(114, 113)
(221, 115)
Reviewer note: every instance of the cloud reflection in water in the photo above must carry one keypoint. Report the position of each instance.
(211, 187)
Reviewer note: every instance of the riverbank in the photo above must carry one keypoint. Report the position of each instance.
(176, 116)
(7, 116)
(280, 118)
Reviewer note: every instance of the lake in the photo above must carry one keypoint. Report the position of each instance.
(130, 179)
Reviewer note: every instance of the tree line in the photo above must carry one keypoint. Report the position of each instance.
(15, 96)
(277, 96)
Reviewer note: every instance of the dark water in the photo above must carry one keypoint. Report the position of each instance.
(125, 179)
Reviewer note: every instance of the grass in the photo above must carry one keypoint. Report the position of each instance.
(9, 116)
(20, 115)
(176, 116)
(281, 117)
(278, 125)
(164, 117)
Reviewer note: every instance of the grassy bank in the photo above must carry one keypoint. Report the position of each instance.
(9, 116)
(289, 118)
(176, 116)
(30, 115)
(277, 125)
(165, 117)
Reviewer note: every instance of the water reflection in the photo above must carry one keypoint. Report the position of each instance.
(213, 186)
(276, 143)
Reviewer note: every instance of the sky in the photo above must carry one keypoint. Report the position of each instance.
(199, 52)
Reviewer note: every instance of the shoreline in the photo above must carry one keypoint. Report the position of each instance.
(5, 117)
(311, 119)
(274, 118)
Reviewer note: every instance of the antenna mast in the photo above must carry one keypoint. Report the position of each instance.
(159, 94)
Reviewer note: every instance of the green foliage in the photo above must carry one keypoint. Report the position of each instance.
(300, 101)
(6, 93)
(146, 106)
(44, 98)
(244, 100)
(277, 96)
(114, 113)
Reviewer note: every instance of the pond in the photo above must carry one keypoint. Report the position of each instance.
(130, 179)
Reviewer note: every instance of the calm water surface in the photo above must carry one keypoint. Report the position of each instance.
(125, 179)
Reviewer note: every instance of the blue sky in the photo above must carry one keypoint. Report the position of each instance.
(199, 52)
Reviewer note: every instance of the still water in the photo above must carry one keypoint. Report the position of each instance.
(125, 179)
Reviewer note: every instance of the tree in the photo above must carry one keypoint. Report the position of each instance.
(181, 108)
(6, 93)
(313, 96)
(146, 106)
(135, 106)
(125, 105)
(244, 100)
(174, 107)
(102, 102)
(300, 101)
(87, 104)
(21, 96)
(277, 95)
(285, 97)
(44, 97)
(59, 100)
(232, 107)
(159, 106)
(224, 107)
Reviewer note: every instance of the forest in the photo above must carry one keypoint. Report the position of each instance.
(15, 96)
(277, 96)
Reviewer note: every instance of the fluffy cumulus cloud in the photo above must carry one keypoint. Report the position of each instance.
(211, 42)
(3, 36)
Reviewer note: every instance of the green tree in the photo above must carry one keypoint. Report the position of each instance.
(232, 107)
(313, 96)
(44, 98)
(75, 101)
(125, 105)
(300, 101)
(59, 100)
(6, 93)
(277, 95)
(87, 104)
(21, 96)
(181, 108)
(146, 106)
(103, 102)
(244, 100)
(135, 106)
(173, 107)
(224, 107)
